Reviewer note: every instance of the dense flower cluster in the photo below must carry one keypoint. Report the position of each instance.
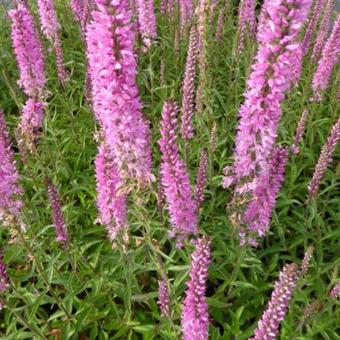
(195, 317)
(268, 326)
(10, 191)
(324, 160)
(188, 86)
(77, 7)
(111, 201)
(146, 21)
(175, 178)
(258, 213)
(48, 18)
(57, 214)
(28, 51)
(246, 21)
(163, 298)
(270, 78)
(316, 12)
(335, 292)
(220, 23)
(330, 55)
(300, 129)
(323, 31)
(116, 103)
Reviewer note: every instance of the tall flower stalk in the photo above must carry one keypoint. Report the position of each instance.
(10, 191)
(201, 179)
(268, 326)
(324, 160)
(188, 87)
(175, 179)
(246, 22)
(259, 210)
(186, 8)
(111, 200)
(116, 102)
(330, 56)
(51, 29)
(57, 214)
(146, 21)
(323, 31)
(270, 79)
(195, 317)
(28, 51)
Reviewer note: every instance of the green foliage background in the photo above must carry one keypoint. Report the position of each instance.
(91, 291)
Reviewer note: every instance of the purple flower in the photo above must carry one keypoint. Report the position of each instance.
(188, 86)
(28, 51)
(111, 200)
(163, 298)
(324, 160)
(258, 213)
(175, 178)
(116, 103)
(186, 11)
(4, 279)
(316, 12)
(195, 317)
(299, 132)
(246, 21)
(10, 190)
(57, 214)
(201, 180)
(335, 292)
(269, 80)
(268, 326)
(50, 28)
(48, 18)
(147, 21)
(330, 55)
(77, 7)
(31, 121)
(323, 31)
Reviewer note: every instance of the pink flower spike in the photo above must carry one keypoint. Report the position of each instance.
(28, 51)
(195, 317)
(175, 178)
(116, 102)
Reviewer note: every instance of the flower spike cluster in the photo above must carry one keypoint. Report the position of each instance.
(323, 31)
(175, 178)
(258, 213)
(188, 86)
(4, 279)
(111, 201)
(116, 102)
(324, 160)
(10, 190)
(246, 21)
(186, 9)
(146, 21)
(268, 326)
(50, 28)
(28, 51)
(269, 81)
(330, 56)
(195, 317)
(57, 214)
